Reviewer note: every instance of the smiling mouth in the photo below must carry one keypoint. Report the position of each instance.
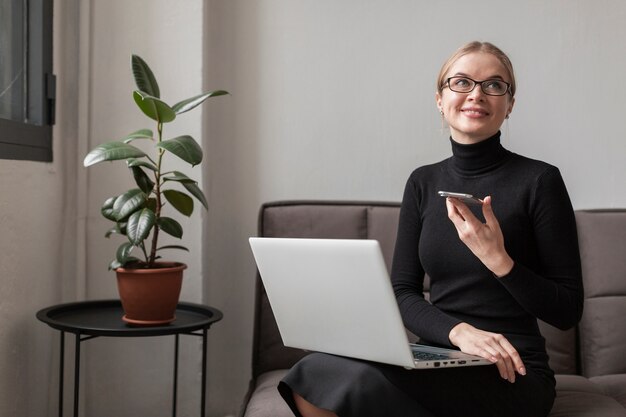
(474, 112)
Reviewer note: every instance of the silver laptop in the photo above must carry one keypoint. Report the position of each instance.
(335, 296)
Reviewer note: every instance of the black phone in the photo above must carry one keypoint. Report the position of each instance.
(466, 198)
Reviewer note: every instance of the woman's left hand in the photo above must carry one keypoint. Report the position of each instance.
(485, 240)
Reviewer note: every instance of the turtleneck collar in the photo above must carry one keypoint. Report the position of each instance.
(478, 158)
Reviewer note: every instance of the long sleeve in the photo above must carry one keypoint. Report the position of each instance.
(407, 276)
(530, 201)
(554, 292)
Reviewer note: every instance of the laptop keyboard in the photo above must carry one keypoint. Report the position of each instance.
(426, 356)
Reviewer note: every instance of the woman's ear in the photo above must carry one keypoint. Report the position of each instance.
(510, 109)
(438, 101)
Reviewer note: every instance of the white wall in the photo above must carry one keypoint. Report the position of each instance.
(331, 99)
(335, 100)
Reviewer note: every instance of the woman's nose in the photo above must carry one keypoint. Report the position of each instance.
(477, 93)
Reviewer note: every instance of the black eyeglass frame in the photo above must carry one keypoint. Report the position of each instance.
(447, 84)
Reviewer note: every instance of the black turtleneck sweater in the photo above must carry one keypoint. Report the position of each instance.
(535, 214)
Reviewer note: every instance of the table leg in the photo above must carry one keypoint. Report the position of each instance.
(203, 394)
(175, 394)
(61, 373)
(76, 373)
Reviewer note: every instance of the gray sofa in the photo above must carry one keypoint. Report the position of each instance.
(590, 360)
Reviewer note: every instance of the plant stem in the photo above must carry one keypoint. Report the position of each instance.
(143, 249)
(159, 204)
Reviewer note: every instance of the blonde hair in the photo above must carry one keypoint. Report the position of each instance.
(472, 47)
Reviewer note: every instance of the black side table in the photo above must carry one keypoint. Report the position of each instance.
(91, 319)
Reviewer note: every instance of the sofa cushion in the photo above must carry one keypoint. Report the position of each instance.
(576, 404)
(576, 396)
(265, 400)
(383, 227)
(613, 385)
(561, 348)
(602, 248)
(269, 351)
(603, 339)
(314, 221)
(576, 383)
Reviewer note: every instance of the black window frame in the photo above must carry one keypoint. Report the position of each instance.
(29, 141)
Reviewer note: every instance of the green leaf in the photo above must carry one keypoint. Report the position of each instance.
(123, 251)
(181, 201)
(114, 265)
(178, 177)
(120, 229)
(144, 78)
(129, 202)
(196, 192)
(132, 162)
(173, 247)
(107, 209)
(151, 204)
(191, 103)
(190, 185)
(143, 181)
(122, 255)
(153, 107)
(139, 225)
(184, 147)
(139, 134)
(112, 151)
(170, 226)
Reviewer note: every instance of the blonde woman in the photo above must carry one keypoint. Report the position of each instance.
(495, 268)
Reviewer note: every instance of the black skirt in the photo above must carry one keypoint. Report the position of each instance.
(355, 388)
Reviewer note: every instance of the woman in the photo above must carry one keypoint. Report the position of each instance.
(495, 269)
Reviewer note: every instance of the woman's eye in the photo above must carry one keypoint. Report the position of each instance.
(494, 85)
(461, 82)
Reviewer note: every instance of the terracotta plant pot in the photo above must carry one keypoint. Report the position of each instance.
(149, 296)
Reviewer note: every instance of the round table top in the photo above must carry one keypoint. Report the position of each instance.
(104, 318)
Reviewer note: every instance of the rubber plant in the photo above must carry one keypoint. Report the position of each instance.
(139, 213)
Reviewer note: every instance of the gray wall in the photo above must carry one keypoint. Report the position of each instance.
(331, 99)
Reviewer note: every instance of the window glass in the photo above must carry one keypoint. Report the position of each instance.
(27, 84)
(13, 60)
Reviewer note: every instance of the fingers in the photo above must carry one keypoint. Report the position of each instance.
(468, 227)
(456, 206)
(490, 218)
(453, 213)
(506, 358)
(461, 209)
(461, 216)
(491, 346)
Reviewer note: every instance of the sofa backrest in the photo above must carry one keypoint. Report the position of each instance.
(373, 220)
(602, 240)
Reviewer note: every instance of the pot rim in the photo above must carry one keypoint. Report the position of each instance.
(165, 267)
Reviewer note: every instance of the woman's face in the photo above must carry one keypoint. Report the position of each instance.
(475, 116)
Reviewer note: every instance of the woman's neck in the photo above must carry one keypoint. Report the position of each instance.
(477, 158)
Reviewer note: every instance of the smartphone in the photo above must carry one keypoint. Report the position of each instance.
(466, 198)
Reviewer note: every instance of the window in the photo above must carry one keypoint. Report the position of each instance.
(27, 85)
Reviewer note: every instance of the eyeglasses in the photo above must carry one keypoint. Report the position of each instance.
(493, 87)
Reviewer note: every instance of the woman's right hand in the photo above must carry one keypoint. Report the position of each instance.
(491, 346)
